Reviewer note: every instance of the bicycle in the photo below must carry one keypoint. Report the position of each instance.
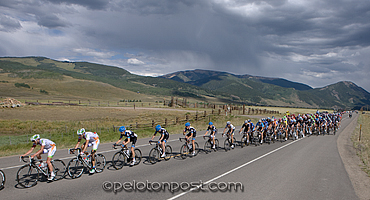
(124, 156)
(209, 144)
(187, 148)
(243, 140)
(256, 137)
(2, 179)
(76, 166)
(156, 152)
(227, 142)
(269, 136)
(29, 174)
(281, 134)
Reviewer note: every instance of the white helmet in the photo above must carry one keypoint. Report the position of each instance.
(35, 137)
(81, 131)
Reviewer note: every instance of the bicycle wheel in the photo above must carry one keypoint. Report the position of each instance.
(207, 146)
(59, 169)
(75, 168)
(184, 151)
(27, 176)
(118, 160)
(168, 152)
(154, 156)
(99, 163)
(138, 156)
(243, 141)
(227, 145)
(196, 148)
(2, 179)
(217, 145)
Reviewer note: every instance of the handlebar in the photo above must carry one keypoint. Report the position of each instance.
(153, 141)
(22, 158)
(182, 139)
(122, 146)
(71, 151)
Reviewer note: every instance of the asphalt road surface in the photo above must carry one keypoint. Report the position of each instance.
(308, 168)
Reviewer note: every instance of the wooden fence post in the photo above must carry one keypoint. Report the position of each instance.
(165, 122)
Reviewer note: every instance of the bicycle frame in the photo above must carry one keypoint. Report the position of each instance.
(79, 157)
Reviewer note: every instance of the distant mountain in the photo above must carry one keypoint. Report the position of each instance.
(275, 91)
(199, 77)
(202, 85)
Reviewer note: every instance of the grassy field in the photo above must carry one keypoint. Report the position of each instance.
(363, 146)
(60, 123)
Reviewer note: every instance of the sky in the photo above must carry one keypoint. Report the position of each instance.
(315, 42)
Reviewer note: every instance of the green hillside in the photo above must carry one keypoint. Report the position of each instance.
(94, 81)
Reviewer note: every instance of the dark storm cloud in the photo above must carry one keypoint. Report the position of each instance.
(316, 42)
(8, 24)
(51, 21)
(91, 4)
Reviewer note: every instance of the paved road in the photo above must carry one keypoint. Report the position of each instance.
(309, 168)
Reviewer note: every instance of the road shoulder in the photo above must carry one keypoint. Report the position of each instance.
(352, 163)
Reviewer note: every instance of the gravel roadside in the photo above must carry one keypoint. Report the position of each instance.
(352, 163)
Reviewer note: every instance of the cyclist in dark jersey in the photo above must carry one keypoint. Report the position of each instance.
(163, 139)
(212, 133)
(130, 137)
(190, 133)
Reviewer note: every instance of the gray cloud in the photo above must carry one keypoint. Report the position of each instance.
(8, 24)
(314, 42)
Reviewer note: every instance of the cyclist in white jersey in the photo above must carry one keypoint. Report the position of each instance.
(92, 139)
(230, 131)
(47, 146)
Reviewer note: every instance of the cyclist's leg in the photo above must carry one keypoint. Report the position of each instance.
(95, 148)
(51, 153)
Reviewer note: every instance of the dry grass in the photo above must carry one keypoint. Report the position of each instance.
(363, 146)
(60, 123)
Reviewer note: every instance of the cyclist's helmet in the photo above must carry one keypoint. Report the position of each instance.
(122, 129)
(249, 120)
(35, 137)
(228, 123)
(210, 123)
(246, 121)
(81, 131)
(187, 124)
(158, 127)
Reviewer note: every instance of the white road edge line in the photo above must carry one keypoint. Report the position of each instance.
(241, 166)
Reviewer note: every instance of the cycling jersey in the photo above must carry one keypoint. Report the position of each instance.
(131, 135)
(212, 129)
(49, 146)
(191, 130)
(163, 132)
(92, 139)
(245, 126)
(231, 129)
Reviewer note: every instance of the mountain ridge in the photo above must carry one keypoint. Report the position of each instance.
(202, 85)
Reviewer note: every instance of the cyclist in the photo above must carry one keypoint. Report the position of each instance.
(163, 139)
(260, 126)
(246, 128)
(47, 146)
(130, 137)
(191, 133)
(212, 133)
(92, 139)
(230, 131)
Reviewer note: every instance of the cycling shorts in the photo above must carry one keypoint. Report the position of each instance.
(51, 151)
(132, 140)
(165, 137)
(94, 144)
